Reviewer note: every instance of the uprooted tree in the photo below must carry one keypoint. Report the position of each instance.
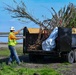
(65, 17)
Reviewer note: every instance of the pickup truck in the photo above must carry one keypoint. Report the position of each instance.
(65, 45)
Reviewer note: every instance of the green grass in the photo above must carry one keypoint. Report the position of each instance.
(6, 52)
(12, 70)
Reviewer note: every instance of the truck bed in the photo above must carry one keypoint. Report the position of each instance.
(64, 44)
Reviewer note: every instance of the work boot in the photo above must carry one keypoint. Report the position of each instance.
(19, 63)
(9, 63)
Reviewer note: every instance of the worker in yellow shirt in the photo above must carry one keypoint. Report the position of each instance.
(12, 43)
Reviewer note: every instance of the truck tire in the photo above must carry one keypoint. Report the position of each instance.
(70, 57)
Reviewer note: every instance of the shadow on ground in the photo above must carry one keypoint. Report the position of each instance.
(45, 60)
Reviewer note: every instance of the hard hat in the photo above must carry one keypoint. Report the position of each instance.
(12, 28)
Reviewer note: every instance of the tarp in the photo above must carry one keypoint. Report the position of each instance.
(49, 44)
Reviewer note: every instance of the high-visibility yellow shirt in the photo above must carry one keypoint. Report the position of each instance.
(12, 38)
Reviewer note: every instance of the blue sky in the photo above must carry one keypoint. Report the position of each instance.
(36, 8)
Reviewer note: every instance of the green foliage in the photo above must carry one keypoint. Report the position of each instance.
(5, 70)
(48, 72)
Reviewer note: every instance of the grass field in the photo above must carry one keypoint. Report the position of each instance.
(15, 69)
(6, 52)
